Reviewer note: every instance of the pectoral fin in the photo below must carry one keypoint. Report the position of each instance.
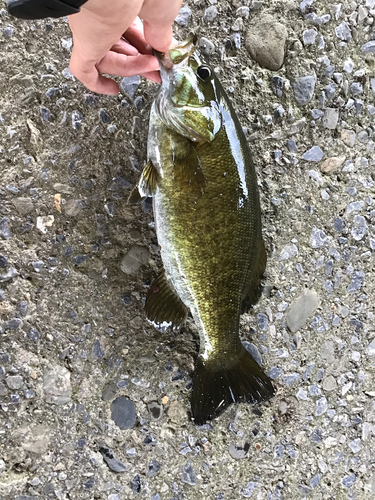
(189, 168)
(147, 184)
(163, 305)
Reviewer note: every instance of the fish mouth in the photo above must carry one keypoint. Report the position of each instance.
(177, 54)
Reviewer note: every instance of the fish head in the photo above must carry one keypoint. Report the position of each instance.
(188, 100)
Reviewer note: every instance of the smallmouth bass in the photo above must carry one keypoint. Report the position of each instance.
(208, 224)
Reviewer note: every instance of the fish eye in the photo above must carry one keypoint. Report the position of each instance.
(204, 73)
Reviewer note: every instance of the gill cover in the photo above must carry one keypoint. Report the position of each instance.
(188, 102)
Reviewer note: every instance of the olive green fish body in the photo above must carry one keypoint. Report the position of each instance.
(207, 217)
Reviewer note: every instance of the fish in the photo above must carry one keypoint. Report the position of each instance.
(207, 215)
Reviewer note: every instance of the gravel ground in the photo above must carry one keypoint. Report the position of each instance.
(94, 401)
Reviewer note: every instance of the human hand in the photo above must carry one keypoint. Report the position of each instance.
(110, 38)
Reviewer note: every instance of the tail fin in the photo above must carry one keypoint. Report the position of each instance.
(216, 386)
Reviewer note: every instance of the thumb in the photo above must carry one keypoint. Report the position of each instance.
(159, 36)
(87, 73)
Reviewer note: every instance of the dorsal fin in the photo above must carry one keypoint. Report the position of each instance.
(252, 290)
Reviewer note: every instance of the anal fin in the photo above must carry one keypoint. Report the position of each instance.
(163, 305)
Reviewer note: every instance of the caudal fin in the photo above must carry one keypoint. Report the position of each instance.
(215, 386)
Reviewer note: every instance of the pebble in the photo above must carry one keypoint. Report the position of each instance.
(275, 372)
(313, 154)
(321, 406)
(111, 461)
(5, 229)
(303, 89)
(155, 411)
(370, 349)
(292, 146)
(109, 391)
(79, 259)
(290, 378)
(206, 46)
(355, 445)
(369, 47)
(313, 18)
(8, 31)
(56, 385)
(130, 85)
(14, 382)
(315, 480)
(44, 113)
(318, 238)
(248, 491)
(353, 207)
(134, 259)
(253, 351)
(153, 468)
(302, 394)
(238, 452)
(332, 164)
(356, 88)
(279, 451)
(265, 42)
(236, 37)
(277, 85)
(210, 14)
(38, 265)
(104, 116)
(343, 32)
(33, 335)
(135, 484)
(123, 413)
(305, 4)
(73, 207)
(51, 92)
(9, 275)
(317, 113)
(23, 205)
(3, 261)
(329, 383)
(77, 119)
(356, 282)
(301, 310)
(183, 16)
(348, 137)
(360, 227)
(288, 252)
(188, 476)
(330, 118)
(348, 481)
(12, 324)
(309, 36)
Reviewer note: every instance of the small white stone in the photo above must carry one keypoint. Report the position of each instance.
(348, 65)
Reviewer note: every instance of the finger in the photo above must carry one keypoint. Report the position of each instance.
(122, 65)
(134, 35)
(90, 77)
(123, 47)
(158, 18)
(153, 76)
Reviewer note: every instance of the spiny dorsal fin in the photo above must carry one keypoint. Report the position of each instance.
(163, 305)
